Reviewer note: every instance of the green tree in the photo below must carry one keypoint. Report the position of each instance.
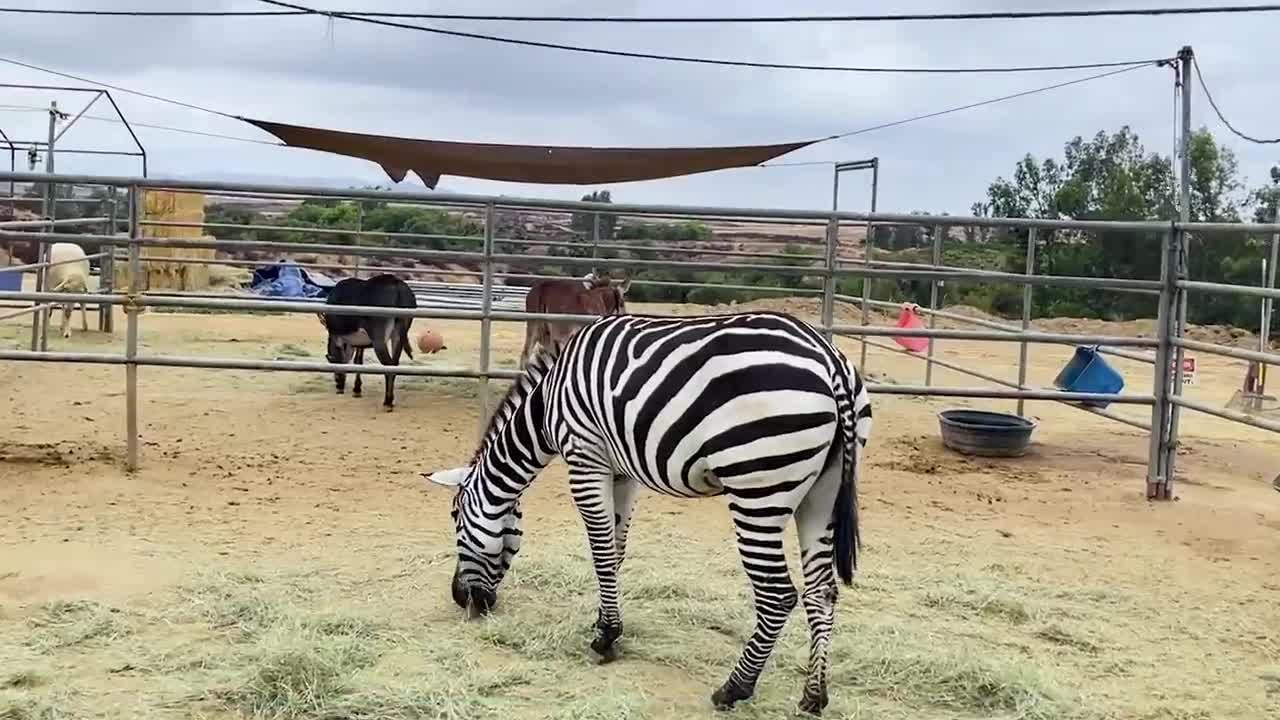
(584, 222)
(1113, 177)
(1266, 199)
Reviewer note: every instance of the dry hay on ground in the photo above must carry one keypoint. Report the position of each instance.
(279, 555)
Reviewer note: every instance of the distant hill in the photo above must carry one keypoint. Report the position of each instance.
(337, 183)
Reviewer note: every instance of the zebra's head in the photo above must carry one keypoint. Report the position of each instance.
(487, 543)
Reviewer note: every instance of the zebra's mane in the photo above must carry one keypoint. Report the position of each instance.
(544, 358)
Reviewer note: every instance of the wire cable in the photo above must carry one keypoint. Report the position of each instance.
(992, 101)
(1209, 96)
(948, 111)
(851, 133)
(117, 88)
(623, 19)
(149, 13)
(150, 126)
(701, 60)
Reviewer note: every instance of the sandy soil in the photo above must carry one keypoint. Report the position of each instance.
(1139, 610)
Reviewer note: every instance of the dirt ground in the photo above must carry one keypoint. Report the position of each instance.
(279, 554)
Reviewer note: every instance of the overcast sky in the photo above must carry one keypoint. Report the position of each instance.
(381, 80)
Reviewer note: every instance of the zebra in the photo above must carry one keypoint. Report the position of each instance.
(757, 406)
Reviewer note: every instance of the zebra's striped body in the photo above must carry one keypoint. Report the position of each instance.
(755, 406)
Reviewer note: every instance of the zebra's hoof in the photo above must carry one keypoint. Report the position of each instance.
(730, 693)
(814, 704)
(603, 644)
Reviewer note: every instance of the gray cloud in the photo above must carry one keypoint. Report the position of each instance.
(386, 80)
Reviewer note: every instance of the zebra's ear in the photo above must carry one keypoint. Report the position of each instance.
(450, 478)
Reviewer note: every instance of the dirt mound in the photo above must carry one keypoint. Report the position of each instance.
(973, 312)
(61, 454)
(1146, 328)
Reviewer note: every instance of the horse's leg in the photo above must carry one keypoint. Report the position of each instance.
(530, 331)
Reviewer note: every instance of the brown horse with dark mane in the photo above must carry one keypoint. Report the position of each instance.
(590, 295)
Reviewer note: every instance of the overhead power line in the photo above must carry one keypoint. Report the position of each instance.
(706, 60)
(676, 19)
(1209, 96)
(149, 13)
(150, 126)
(117, 88)
(851, 133)
(989, 101)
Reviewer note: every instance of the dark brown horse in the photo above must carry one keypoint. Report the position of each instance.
(590, 295)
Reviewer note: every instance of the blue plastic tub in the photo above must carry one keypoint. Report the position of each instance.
(11, 281)
(1088, 372)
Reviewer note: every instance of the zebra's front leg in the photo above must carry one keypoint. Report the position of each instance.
(592, 492)
(759, 531)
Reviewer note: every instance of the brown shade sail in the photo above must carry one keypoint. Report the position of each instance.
(551, 164)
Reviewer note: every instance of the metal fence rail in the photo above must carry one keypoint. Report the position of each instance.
(490, 297)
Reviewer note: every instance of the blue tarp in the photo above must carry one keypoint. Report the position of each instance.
(286, 279)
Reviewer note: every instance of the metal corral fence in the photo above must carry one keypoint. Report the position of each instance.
(40, 268)
(1166, 348)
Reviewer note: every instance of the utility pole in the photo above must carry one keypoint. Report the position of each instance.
(1186, 56)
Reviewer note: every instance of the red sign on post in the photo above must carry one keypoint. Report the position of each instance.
(1188, 369)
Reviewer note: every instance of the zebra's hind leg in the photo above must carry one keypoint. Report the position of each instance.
(590, 485)
(815, 528)
(624, 500)
(759, 531)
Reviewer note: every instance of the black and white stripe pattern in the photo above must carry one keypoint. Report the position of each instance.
(756, 406)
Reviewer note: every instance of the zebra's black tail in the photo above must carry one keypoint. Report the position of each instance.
(855, 425)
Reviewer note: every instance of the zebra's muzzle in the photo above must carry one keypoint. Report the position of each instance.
(477, 601)
(480, 602)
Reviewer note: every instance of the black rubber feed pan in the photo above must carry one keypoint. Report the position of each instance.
(986, 433)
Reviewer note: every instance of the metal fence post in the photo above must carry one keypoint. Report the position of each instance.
(1268, 304)
(868, 245)
(1179, 324)
(1181, 267)
(40, 318)
(1157, 473)
(486, 323)
(829, 280)
(131, 330)
(107, 271)
(934, 287)
(595, 240)
(1026, 316)
(359, 233)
